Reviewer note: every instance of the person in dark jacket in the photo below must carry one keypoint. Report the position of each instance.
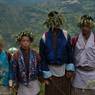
(56, 56)
(26, 66)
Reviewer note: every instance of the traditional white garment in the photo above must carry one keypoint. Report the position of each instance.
(57, 71)
(85, 56)
(32, 89)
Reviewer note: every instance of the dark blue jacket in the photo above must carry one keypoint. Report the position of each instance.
(61, 55)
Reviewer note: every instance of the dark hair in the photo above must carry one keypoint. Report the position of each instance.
(52, 13)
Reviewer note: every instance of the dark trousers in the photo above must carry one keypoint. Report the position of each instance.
(58, 86)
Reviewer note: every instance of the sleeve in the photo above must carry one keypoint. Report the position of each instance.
(69, 56)
(11, 70)
(10, 66)
(15, 70)
(38, 67)
(44, 66)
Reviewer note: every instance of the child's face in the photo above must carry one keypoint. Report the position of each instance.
(25, 42)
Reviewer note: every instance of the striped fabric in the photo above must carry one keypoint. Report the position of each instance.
(77, 91)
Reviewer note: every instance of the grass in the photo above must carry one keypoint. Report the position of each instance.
(42, 90)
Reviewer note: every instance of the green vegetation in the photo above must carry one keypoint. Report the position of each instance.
(18, 15)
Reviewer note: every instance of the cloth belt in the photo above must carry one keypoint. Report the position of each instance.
(86, 68)
(55, 78)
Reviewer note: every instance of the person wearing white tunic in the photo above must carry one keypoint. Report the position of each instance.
(84, 58)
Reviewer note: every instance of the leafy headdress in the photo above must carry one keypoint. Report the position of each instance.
(86, 21)
(54, 19)
(25, 33)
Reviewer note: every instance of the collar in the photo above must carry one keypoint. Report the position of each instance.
(81, 43)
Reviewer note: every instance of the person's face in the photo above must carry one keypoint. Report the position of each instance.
(25, 42)
(0, 48)
(56, 29)
(86, 30)
(1, 45)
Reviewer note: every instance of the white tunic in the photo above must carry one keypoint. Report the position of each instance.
(57, 71)
(32, 89)
(85, 56)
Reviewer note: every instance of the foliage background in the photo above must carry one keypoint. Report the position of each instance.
(18, 15)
